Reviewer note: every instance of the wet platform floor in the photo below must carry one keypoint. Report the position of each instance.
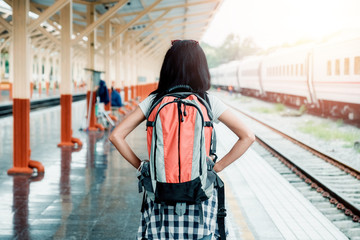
(91, 193)
(82, 195)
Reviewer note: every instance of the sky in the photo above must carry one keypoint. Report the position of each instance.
(275, 22)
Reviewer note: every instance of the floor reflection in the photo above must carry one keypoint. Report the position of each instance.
(21, 190)
(65, 190)
(95, 146)
(88, 193)
(20, 205)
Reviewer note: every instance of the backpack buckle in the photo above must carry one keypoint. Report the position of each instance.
(221, 213)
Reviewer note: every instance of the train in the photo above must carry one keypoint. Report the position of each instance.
(324, 77)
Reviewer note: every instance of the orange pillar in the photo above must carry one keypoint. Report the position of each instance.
(47, 88)
(54, 88)
(132, 92)
(21, 101)
(66, 131)
(40, 88)
(126, 94)
(137, 90)
(10, 91)
(21, 143)
(31, 89)
(107, 107)
(93, 125)
(66, 138)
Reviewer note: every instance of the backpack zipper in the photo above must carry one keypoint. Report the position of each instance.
(181, 119)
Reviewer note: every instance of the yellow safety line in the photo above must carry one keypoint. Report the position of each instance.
(233, 204)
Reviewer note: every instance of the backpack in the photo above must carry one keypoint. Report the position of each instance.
(180, 141)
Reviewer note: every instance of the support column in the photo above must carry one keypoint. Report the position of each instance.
(21, 102)
(107, 30)
(126, 65)
(11, 70)
(107, 49)
(47, 72)
(66, 76)
(91, 92)
(33, 70)
(118, 59)
(132, 76)
(56, 74)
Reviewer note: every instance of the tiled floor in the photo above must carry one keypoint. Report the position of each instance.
(91, 193)
(86, 194)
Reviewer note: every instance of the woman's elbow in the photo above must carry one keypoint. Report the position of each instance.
(250, 137)
(112, 138)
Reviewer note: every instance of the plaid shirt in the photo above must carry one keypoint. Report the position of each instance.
(173, 226)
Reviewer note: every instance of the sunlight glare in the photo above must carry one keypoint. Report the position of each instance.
(275, 22)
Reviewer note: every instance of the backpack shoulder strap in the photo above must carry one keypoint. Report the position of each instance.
(221, 214)
(206, 102)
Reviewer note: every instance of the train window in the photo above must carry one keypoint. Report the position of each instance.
(284, 71)
(288, 70)
(297, 69)
(329, 68)
(302, 69)
(346, 66)
(292, 69)
(357, 65)
(337, 67)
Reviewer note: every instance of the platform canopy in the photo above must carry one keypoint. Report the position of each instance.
(148, 24)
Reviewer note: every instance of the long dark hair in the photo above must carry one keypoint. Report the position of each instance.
(184, 64)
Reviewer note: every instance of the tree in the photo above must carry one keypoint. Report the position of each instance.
(231, 49)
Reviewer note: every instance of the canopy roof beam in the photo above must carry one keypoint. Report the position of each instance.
(125, 27)
(106, 16)
(5, 24)
(170, 7)
(59, 4)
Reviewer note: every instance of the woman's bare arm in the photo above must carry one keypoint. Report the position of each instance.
(119, 134)
(246, 138)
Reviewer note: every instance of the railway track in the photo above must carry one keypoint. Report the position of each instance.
(332, 186)
(7, 109)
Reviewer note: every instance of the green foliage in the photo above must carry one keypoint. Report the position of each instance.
(277, 108)
(231, 49)
(302, 109)
(262, 110)
(339, 122)
(329, 131)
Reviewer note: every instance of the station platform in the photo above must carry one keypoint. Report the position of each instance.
(91, 193)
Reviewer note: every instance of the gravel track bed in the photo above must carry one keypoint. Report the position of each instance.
(337, 148)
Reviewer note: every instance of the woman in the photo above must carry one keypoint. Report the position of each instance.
(184, 64)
